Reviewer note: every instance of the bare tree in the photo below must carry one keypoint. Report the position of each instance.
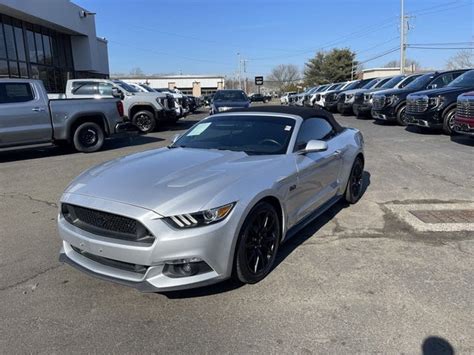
(136, 72)
(409, 63)
(461, 60)
(283, 75)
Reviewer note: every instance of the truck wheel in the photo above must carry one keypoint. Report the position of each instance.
(401, 118)
(88, 137)
(144, 121)
(448, 121)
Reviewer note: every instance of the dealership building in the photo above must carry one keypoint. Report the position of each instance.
(196, 85)
(51, 40)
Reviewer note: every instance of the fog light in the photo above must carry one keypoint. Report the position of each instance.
(185, 267)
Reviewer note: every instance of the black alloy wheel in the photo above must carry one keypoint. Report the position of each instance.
(88, 137)
(354, 185)
(448, 122)
(144, 121)
(401, 116)
(258, 244)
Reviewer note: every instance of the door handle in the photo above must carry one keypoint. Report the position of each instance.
(37, 109)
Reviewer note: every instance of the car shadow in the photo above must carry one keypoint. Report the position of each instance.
(463, 139)
(423, 130)
(285, 250)
(52, 150)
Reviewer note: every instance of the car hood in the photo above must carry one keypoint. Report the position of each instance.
(441, 91)
(230, 103)
(169, 181)
(355, 91)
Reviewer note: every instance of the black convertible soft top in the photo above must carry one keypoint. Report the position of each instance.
(303, 112)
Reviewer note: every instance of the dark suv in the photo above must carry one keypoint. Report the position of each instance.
(436, 108)
(390, 105)
(363, 100)
(331, 99)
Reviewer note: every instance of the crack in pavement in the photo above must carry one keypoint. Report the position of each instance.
(17, 194)
(30, 278)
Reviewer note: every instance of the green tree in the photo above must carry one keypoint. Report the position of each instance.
(330, 67)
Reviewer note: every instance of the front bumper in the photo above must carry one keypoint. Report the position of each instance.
(464, 126)
(363, 108)
(426, 119)
(386, 114)
(213, 244)
(344, 107)
(330, 105)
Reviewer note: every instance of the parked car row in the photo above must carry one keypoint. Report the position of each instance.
(438, 100)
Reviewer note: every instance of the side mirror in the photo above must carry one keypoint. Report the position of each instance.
(433, 86)
(117, 94)
(314, 146)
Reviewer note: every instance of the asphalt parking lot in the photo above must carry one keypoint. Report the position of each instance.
(360, 279)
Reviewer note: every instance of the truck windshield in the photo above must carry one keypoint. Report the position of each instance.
(463, 81)
(126, 87)
(353, 85)
(147, 88)
(392, 82)
(370, 84)
(230, 95)
(421, 82)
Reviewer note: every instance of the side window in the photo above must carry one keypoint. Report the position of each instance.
(105, 89)
(15, 92)
(442, 80)
(85, 88)
(313, 128)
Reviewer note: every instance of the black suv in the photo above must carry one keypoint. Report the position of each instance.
(258, 98)
(436, 108)
(363, 100)
(390, 105)
(331, 99)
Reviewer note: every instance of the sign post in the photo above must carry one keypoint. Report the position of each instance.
(259, 82)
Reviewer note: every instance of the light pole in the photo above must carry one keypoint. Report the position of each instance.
(402, 36)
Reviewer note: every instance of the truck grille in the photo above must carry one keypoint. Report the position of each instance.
(417, 104)
(359, 98)
(465, 108)
(379, 102)
(106, 224)
(170, 101)
(341, 97)
(318, 97)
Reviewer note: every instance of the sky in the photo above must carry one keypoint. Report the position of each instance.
(205, 36)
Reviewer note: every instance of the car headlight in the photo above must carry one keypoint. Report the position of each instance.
(199, 219)
(224, 108)
(435, 102)
(392, 99)
(349, 97)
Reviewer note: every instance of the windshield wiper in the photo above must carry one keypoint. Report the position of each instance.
(172, 146)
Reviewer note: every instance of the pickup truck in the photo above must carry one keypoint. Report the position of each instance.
(29, 117)
(436, 108)
(464, 119)
(144, 109)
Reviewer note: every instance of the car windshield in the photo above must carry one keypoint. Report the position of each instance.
(370, 84)
(321, 88)
(420, 82)
(230, 95)
(392, 82)
(126, 87)
(147, 88)
(466, 80)
(353, 85)
(334, 87)
(380, 83)
(240, 133)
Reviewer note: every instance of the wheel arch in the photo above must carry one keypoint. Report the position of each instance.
(90, 117)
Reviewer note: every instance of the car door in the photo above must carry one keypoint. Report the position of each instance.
(317, 172)
(24, 115)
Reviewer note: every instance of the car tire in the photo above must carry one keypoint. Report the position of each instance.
(401, 120)
(354, 183)
(88, 137)
(259, 240)
(144, 121)
(448, 121)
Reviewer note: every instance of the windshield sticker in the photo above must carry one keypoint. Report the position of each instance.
(199, 129)
(287, 128)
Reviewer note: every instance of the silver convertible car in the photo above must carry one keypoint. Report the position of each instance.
(216, 203)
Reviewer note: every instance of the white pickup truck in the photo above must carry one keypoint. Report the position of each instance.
(29, 117)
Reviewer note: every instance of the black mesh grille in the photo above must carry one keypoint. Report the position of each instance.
(106, 224)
